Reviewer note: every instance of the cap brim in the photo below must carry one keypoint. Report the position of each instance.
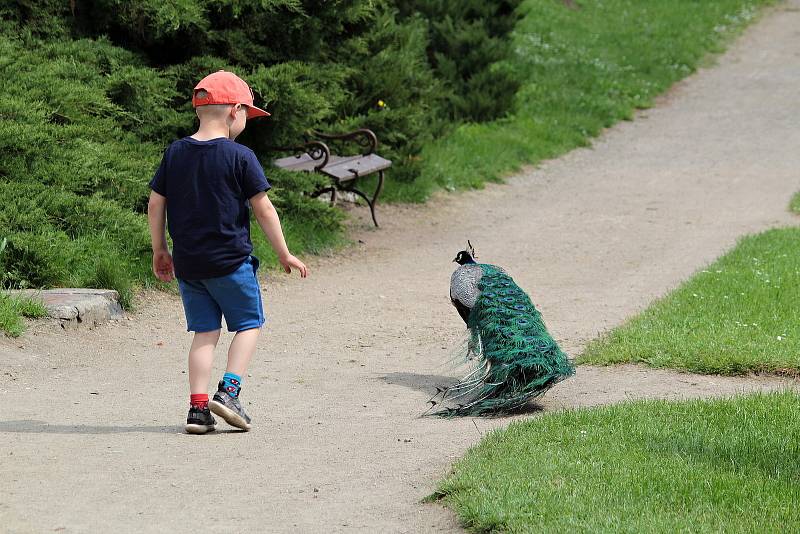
(254, 112)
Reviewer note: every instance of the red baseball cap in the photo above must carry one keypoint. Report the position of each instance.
(223, 87)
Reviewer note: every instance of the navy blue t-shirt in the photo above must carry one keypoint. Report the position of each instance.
(207, 185)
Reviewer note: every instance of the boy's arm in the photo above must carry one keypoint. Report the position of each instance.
(157, 218)
(269, 222)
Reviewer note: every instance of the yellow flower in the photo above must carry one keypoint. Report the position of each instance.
(381, 104)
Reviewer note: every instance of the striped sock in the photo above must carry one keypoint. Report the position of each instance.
(199, 400)
(232, 384)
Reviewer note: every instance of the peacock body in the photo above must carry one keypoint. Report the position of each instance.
(514, 357)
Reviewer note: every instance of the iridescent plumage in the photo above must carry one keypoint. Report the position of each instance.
(516, 358)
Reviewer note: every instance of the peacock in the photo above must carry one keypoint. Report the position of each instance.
(514, 357)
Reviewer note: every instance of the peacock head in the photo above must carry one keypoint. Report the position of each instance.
(466, 256)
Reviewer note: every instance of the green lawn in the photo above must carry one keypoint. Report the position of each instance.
(738, 315)
(12, 309)
(581, 70)
(795, 203)
(302, 239)
(648, 466)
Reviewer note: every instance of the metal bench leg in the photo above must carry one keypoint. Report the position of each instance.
(329, 189)
(370, 203)
(375, 196)
(379, 188)
(372, 212)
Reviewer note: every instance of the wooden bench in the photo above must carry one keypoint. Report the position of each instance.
(344, 171)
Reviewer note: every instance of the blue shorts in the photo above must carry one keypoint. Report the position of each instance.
(235, 296)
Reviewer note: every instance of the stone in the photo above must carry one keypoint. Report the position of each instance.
(75, 307)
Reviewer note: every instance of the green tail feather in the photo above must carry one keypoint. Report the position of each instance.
(523, 360)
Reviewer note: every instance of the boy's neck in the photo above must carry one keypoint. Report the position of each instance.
(212, 130)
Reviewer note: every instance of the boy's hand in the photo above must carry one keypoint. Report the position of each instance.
(290, 261)
(162, 266)
(268, 219)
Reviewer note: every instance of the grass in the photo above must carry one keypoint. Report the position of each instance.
(13, 308)
(738, 315)
(582, 70)
(794, 205)
(301, 239)
(648, 466)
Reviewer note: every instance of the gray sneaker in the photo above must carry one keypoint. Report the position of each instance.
(228, 407)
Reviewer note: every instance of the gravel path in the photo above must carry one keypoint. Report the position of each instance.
(90, 436)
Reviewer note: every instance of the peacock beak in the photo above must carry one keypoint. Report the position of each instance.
(455, 259)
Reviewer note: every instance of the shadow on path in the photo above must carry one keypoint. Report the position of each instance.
(41, 427)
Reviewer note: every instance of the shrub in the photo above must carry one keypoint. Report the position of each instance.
(468, 38)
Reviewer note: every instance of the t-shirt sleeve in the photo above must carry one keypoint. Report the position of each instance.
(159, 181)
(253, 180)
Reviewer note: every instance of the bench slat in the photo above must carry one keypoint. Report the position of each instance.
(343, 168)
(339, 167)
(303, 162)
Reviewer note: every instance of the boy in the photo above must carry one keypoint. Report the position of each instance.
(205, 182)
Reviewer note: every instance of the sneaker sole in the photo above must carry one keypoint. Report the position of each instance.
(199, 429)
(231, 417)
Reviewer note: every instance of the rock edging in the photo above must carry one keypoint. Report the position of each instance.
(74, 307)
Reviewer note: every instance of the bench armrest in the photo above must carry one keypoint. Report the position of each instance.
(316, 150)
(363, 137)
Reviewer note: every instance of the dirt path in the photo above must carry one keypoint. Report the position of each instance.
(90, 432)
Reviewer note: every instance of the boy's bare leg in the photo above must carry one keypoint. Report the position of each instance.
(241, 351)
(201, 358)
